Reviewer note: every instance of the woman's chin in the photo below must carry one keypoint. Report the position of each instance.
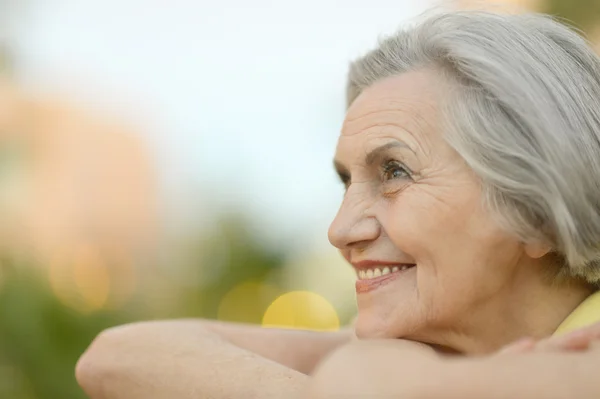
(370, 326)
(387, 316)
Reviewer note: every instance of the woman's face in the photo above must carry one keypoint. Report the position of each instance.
(430, 260)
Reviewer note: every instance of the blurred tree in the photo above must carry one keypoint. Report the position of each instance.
(93, 191)
(584, 14)
(234, 256)
(75, 187)
(40, 338)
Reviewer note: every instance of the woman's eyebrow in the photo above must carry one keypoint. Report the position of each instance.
(370, 157)
(376, 153)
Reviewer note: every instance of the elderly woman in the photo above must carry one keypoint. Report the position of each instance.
(470, 154)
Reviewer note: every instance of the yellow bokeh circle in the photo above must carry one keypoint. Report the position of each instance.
(81, 279)
(302, 310)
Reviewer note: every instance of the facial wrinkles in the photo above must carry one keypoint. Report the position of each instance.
(435, 183)
(383, 130)
(417, 121)
(352, 152)
(404, 153)
(407, 116)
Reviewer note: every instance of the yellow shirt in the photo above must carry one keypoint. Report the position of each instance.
(587, 313)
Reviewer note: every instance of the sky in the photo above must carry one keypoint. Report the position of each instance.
(240, 101)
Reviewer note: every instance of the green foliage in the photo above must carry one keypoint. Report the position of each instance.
(41, 338)
(247, 259)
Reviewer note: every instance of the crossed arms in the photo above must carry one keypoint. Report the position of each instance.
(200, 359)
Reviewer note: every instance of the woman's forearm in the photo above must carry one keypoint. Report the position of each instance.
(296, 349)
(164, 361)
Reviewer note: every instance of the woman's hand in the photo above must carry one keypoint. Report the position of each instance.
(577, 340)
(402, 369)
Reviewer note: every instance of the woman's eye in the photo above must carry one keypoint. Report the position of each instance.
(394, 170)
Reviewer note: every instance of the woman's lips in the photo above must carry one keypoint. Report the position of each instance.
(371, 279)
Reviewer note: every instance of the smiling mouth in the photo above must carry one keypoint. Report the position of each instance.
(379, 271)
(377, 276)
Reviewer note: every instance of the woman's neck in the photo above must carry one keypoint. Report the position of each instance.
(532, 309)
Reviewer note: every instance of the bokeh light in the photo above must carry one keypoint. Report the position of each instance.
(83, 280)
(123, 280)
(91, 278)
(61, 282)
(325, 273)
(302, 310)
(133, 187)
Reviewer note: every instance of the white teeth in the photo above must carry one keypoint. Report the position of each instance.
(367, 274)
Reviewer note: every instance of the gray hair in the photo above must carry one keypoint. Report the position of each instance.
(523, 110)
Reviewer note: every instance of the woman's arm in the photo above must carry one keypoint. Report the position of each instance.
(386, 369)
(531, 376)
(196, 359)
(296, 349)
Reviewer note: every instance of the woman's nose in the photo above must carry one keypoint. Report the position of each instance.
(353, 226)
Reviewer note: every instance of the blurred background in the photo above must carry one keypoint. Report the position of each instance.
(164, 161)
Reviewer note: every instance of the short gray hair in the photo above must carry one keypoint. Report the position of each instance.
(523, 110)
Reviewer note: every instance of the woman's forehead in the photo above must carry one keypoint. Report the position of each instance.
(402, 107)
(409, 89)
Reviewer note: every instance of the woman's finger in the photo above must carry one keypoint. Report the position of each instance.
(575, 341)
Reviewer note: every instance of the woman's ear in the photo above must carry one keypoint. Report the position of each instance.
(537, 249)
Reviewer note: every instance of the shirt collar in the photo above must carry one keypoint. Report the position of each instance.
(587, 313)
